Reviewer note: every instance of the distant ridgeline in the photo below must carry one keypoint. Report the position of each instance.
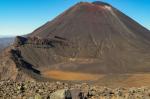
(40, 42)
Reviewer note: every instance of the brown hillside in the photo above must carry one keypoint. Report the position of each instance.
(95, 32)
(88, 39)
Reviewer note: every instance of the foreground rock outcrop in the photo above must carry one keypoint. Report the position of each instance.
(64, 90)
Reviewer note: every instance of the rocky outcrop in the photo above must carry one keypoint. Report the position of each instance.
(14, 66)
(20, 63)
(10, 69)
(20, 41)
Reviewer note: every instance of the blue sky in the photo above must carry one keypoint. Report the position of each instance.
(18, 17)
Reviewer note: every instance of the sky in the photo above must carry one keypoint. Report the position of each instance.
(19, 17)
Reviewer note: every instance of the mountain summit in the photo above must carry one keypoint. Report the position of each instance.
(100, 3)
(88, 39)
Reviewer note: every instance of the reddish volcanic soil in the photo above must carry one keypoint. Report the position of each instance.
(124, 80)
(64, 75)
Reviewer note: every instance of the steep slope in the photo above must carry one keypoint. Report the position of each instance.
(102, 40)
(9, 69)
(93, 39)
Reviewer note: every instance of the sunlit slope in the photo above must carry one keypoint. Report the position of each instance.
(101, 40)
(93, 39)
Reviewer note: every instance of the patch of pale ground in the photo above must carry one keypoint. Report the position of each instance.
(122, 80)
(65, 75)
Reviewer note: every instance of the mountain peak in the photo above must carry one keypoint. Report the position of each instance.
(94, 6)
(89, 38)
(100, 3)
